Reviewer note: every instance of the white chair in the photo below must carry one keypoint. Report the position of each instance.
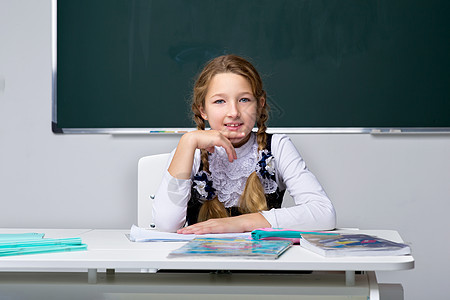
(150, 170)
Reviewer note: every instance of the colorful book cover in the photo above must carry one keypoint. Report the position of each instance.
(232, 247)
(352, 245)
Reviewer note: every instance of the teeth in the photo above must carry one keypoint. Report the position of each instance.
(233, 125)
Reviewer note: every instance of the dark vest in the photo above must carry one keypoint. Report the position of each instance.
(274, 199)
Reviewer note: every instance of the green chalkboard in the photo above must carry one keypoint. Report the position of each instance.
(325, 63)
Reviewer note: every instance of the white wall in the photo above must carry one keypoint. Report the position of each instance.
(399, 182)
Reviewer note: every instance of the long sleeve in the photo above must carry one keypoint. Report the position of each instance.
(313, 210)
(170, 204)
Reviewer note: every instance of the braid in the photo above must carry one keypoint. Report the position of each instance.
(253, 198)
(212, 209)
(263, 116)
(205, 162)
(200, 126)
(200, 122)
(198, 116)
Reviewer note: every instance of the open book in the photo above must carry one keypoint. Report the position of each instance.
(232, 247)
(352, 245)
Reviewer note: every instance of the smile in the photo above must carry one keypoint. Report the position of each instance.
(234, 125)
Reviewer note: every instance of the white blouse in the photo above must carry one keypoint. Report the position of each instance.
(312, 211)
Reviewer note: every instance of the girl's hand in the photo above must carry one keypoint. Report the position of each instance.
(243, 223)
(181, 165)
(207, 139)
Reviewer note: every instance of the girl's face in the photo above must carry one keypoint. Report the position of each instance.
(230, 106)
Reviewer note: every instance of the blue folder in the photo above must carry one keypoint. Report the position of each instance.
(33, 243)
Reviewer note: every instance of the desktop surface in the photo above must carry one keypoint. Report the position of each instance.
(111, 249)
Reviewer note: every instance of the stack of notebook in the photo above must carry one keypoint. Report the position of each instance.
(32, 243)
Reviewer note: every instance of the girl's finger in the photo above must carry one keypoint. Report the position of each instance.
(231, 152)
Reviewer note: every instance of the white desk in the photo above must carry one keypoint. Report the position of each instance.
(111, 250)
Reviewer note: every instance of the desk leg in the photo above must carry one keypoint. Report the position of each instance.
(374, 292)
(349, 278)
(92, 275)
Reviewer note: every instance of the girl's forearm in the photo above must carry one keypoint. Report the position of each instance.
(181, 165)
(253, 221)
(242, 223)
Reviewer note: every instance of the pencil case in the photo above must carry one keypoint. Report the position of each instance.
(283, 234)
(276, 234)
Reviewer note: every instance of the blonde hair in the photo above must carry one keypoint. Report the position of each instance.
(253, 198)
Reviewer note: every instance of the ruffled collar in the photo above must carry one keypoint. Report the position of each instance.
(229, 179)
(246, 149)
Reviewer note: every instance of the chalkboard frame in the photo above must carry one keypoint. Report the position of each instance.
(181, 130)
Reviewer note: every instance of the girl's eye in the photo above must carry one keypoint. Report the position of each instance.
(245, 100)
(219, 101)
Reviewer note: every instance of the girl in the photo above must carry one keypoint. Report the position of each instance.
(230, 179)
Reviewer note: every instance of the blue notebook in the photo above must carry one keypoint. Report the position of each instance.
(352, 245)
(20, 236)
(33, 243)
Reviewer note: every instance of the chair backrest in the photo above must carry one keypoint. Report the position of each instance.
(150, 171)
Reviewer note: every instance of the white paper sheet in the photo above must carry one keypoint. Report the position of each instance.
(138, 234)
